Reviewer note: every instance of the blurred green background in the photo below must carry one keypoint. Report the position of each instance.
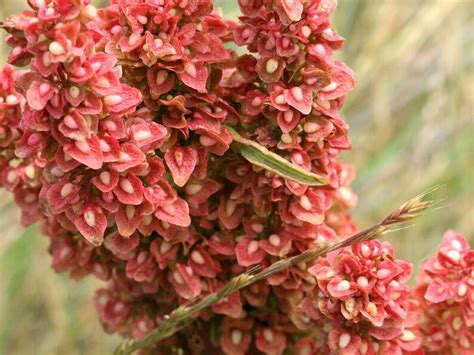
(412, 127)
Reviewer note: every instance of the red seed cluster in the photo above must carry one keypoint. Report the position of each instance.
(445, 289)
(116, 138)
(362, 301)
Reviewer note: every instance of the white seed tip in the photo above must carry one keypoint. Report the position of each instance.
(408, 335)
(89, 218)
(274, 240)
(344, 340)
(127, 186)
(56, 48)
(165, 247)
(236, 336)
(344, 285)
(192, 189)
(305, 203)
(112, 100)
(252, 247)
(66, 190)
(271, 66)
(197, 257)
(268, 335)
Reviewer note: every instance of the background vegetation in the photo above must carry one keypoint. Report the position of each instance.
(412, 127)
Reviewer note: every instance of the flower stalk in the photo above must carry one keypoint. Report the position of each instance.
(178, 318)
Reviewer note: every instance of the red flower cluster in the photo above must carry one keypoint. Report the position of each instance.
(124, 142)
(362, 301)
(117, 138)
(73, 97)
(446, 293)
(14, 171)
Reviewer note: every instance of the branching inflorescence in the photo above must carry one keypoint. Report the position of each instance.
(165, 163)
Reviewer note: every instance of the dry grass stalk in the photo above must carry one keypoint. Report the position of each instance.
(183, 314)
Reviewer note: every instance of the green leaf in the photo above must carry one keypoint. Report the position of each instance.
(260, 156)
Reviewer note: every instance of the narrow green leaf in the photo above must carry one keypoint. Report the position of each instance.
(260, 156)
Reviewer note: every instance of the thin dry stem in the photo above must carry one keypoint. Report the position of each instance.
(183, 314)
